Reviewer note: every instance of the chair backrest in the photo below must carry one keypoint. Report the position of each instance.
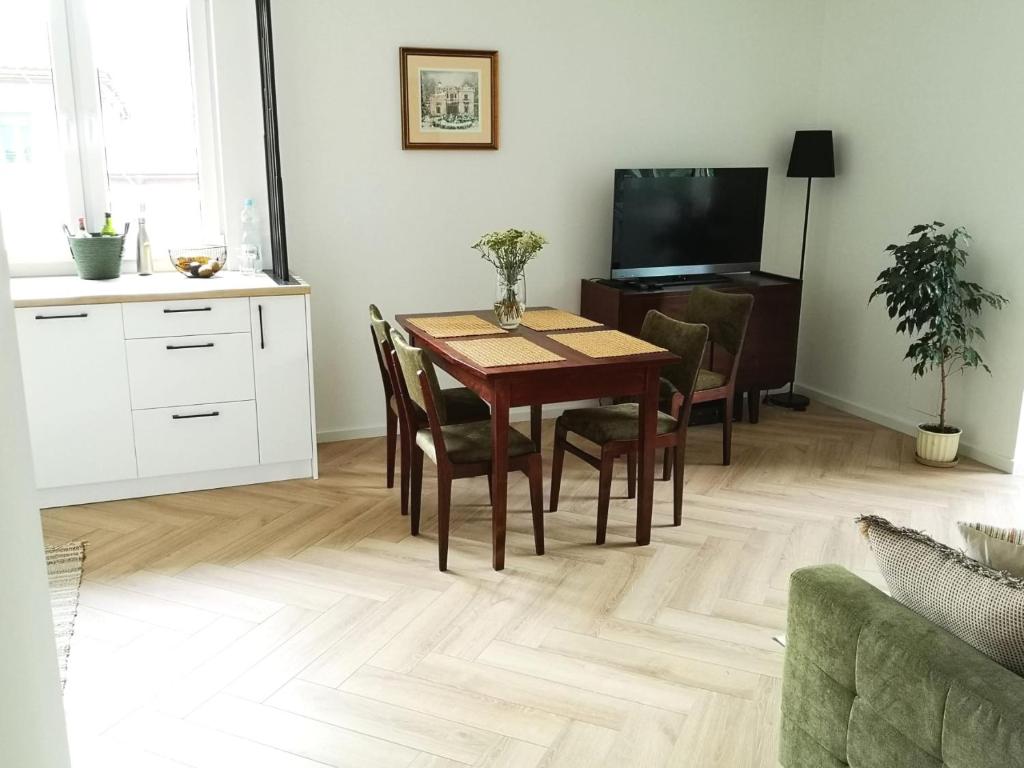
(412, 360)
(687, 340)
(726, 315)
(379, 334)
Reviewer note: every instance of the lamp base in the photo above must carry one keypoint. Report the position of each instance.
(789, 400)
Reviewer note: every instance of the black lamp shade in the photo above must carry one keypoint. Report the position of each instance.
(812, 155)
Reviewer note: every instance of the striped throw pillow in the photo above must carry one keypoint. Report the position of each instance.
(981, 606)
(999, 548)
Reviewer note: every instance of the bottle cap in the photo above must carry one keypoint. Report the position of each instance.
(249, 202)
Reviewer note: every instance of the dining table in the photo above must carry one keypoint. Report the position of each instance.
(574, 376)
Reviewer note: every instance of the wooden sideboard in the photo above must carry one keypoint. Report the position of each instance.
(769, 353)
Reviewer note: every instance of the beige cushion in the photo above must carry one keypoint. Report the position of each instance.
(470, 443)
(610, 423)
(709, 379)
(981, 606)
(998, 548)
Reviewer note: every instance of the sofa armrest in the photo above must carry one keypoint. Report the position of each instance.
(871, 682)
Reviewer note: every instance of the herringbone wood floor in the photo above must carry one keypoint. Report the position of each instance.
(299, 625)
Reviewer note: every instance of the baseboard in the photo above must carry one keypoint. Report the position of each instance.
(904, 425)
(69, 495)
(516, 415)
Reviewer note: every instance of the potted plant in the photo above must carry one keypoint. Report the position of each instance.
(938, 309)
(509, 252)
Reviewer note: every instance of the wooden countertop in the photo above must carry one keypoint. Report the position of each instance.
(70, 290)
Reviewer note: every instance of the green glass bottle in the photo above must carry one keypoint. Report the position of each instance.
(108, 226)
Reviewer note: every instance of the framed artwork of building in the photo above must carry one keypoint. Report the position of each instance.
(449, 98)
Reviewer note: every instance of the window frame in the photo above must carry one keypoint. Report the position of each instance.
(80, 125)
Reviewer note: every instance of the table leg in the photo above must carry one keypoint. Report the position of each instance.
(499, 473)
(645, 451)
(535, 426)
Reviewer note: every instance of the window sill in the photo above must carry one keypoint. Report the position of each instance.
(58, 268)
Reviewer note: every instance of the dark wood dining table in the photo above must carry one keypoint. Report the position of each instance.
(577, 377)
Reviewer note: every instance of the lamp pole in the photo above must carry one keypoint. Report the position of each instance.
(791, 399)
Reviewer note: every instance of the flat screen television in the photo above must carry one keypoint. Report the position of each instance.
(687, 221)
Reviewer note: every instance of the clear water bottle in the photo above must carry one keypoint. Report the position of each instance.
(251, 261)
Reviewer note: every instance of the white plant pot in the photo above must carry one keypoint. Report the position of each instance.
(937, 448)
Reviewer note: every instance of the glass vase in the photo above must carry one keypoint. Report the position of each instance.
(510, 300)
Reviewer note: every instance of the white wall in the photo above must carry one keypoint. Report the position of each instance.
(32, 729)
(585, 87)
(925, 99)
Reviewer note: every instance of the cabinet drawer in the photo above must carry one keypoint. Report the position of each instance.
(171, 441)
(147, 319)
(182, 370)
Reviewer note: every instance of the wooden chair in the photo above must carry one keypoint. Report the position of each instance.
(461, 405)
(458, 450)
(616, 428)
(726, 315)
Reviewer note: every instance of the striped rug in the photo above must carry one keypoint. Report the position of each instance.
(64, 567)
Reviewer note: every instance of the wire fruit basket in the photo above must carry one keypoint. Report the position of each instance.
(202, 261)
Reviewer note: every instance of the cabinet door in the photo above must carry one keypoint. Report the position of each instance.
(76, 388)
(282, 378)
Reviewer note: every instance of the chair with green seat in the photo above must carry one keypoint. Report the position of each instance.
(616, 428)
(461, 405)
(458, 450)
(390, 403)
(726, 315)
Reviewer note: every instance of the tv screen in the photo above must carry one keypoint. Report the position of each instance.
(686, 221)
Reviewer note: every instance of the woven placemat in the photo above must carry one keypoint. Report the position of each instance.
(452, 326)
(510, 350)
(555, 320)
(605, 343)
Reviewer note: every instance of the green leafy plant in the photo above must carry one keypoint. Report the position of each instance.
(935, 307)
(509, 251)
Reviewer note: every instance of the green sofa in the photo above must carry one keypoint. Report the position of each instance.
(870, 684)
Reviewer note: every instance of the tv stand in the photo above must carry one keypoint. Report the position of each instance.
(668, 281)
(769, 353)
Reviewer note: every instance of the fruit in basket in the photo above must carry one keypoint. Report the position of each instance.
(189, 261)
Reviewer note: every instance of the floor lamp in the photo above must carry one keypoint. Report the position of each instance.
(812, 158)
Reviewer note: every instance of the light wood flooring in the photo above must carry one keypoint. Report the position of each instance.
(298, 625)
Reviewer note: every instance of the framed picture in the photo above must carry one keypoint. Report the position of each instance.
(449, 98)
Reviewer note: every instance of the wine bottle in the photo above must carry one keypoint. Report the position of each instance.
(145, 252)
(82, 232)
(108, 226)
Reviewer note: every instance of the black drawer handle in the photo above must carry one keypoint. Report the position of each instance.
(195, 415)
(191, 309)
(61, 317)
(190, 346)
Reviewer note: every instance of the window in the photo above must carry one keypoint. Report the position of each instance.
(104, 106)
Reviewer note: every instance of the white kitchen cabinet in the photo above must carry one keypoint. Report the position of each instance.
(282, 377)
(146, 385)
(76, 389)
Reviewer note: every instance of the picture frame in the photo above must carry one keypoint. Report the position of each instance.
(449, 98)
